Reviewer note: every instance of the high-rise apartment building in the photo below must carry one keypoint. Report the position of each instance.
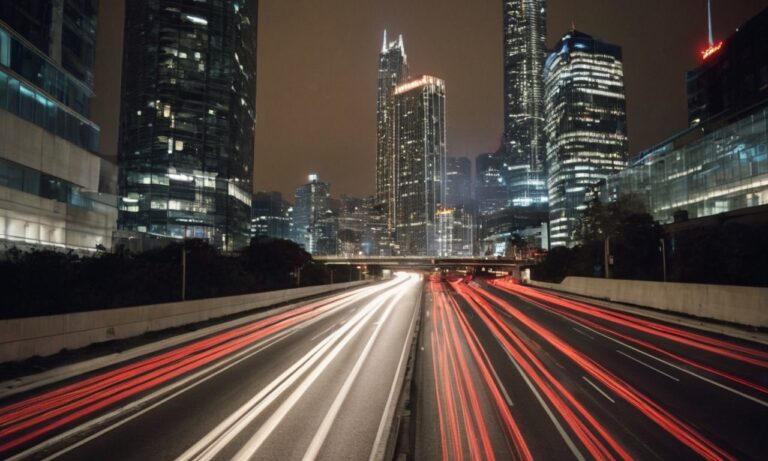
(586, 125)
(393, 70)
(54, 190)
(524, 146)
(187, 121)
(419, 110)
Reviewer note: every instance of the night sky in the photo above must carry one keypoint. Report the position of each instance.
(317, 62)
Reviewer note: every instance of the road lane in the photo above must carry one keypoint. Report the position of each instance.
(589, 384)
(299, 366)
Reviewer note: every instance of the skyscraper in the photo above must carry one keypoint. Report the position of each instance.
(393, 70)
(56, 191)
(311, 215)
(490, 188)
(586, 125)
(419, 110)
(524, 54)
(458, 182)
(187, 119)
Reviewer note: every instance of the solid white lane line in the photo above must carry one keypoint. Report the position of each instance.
(333, 411)
(647, 365)
(276, 417)
(184, 385)
(379, 444)
(670, 364)
(598, 389)
(567, 438)
(501, 385)
(582, 333)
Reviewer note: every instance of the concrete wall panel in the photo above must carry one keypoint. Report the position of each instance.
(46, 335)
(734, 304)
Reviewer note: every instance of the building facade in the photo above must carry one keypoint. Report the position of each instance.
(524, 23)
(187, 120)
(717, 166)
(54, 190)
(586, 125)
(270, 215)
(312, 215)
(458, 182)
(490, 187)
(420, 167)
(393, 70)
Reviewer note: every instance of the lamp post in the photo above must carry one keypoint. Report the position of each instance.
(663, 258)
(607, 257)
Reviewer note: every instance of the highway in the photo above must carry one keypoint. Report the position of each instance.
(316, 382)
(506, 371)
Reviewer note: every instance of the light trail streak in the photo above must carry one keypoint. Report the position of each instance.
(39, 415)
(683, 432)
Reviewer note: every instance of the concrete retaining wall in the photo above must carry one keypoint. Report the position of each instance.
(741, 305)
(46, 335)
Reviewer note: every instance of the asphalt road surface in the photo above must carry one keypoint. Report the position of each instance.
(316, 382)
(505, 371)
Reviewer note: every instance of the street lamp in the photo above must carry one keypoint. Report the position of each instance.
(663, 258)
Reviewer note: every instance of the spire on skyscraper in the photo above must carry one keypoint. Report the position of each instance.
(384, 45)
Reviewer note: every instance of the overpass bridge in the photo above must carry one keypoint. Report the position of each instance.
(428, 262)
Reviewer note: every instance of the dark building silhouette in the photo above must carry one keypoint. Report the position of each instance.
(733, 75)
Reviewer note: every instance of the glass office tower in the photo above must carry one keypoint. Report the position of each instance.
(586, 125)
(393, 70)
(187, 119)
(524, 148)
(420, 167)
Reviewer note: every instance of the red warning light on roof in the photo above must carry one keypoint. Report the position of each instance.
(711, 50)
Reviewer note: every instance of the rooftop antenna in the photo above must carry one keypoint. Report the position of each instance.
(573, 25)
(709, 23)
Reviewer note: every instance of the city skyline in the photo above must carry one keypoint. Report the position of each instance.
(474, 115)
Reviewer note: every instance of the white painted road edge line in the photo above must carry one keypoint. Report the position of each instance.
(379, 447)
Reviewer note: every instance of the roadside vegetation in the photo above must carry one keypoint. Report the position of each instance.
(43, 282)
